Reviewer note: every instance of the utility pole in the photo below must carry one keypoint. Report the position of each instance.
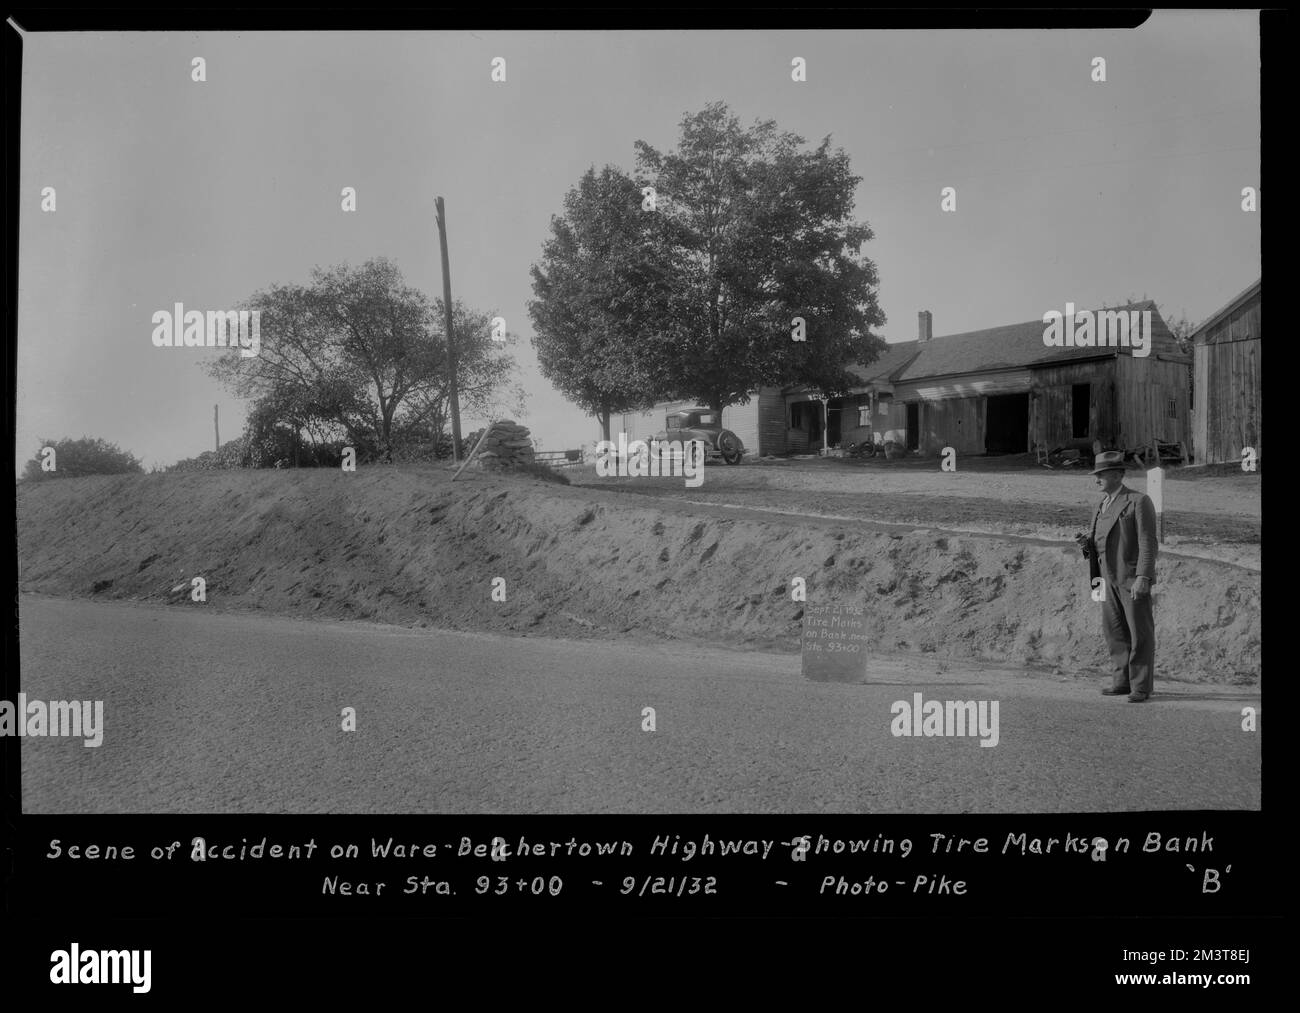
(216, 429)
(453, 393)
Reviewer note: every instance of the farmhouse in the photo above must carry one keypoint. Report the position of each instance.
(995, 391)
(867, 407)
(1227, 380)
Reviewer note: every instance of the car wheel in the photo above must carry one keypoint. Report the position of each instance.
(729, 447)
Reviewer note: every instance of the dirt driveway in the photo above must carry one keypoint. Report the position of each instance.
(1211, 513)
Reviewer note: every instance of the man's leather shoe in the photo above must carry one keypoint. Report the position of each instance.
(1137, 698)
(1114, 692)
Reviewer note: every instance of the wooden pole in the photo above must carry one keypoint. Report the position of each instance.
(486, 431)
(453, 392)
(216, 429)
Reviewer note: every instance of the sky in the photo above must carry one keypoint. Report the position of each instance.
(170, 190)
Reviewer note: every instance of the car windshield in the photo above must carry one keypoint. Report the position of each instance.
(706, 420)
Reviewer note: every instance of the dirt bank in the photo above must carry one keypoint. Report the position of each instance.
(1208, 514)
(404, 546)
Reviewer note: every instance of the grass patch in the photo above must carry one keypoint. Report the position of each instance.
(538, 471)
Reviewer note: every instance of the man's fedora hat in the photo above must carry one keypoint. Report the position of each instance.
(1109, 460)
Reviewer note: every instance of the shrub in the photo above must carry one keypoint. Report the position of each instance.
(232, 454)
(86, 456)
(540, 471)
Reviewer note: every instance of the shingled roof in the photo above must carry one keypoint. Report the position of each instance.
(1013, 346)
(890, 361)
(1223, 312)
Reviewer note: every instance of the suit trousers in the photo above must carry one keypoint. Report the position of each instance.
(1130, 628)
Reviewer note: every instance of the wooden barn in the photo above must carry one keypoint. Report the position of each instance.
(1227, 380)
(1003, 391)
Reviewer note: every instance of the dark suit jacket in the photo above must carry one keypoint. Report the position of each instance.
(1124, 539)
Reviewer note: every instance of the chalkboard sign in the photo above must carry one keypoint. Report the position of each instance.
(834, 643)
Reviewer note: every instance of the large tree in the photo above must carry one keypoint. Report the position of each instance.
(601, 287)
(359, 355)
(760, 231)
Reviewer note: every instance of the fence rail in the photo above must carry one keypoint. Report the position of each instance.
(559, 458)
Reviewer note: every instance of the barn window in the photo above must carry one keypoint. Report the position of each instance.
(1173, 408)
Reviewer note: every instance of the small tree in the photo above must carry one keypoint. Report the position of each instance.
(359, 357)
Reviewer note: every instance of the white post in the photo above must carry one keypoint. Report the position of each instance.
(1156, 490)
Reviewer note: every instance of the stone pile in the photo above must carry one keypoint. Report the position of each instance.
(506, 444)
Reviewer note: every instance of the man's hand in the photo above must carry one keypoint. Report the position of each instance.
(1141, 587)
(1082, 542)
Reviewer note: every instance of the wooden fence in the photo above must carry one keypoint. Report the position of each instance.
(559, 459)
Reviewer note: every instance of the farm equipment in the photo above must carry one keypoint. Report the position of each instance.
(862, 441)
(861, 448)
(867, 442)
(1081, 453)
(1158, 453)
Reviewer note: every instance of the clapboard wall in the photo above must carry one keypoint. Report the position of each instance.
(1228, 380)
(1152, 402)
(1051, 403)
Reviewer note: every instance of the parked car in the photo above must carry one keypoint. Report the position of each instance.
(703, 424)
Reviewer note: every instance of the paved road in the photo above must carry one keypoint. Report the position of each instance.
(213, 712)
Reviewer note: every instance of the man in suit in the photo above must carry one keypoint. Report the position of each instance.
(1122, 551)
